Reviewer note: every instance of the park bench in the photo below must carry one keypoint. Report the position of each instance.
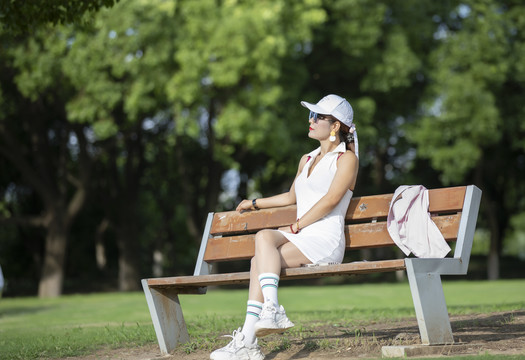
(229, 236)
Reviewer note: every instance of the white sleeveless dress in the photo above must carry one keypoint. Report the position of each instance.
(324, 240)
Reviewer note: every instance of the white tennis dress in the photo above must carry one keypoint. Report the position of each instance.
(324, 240)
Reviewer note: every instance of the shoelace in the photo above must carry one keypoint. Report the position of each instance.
(233, 343)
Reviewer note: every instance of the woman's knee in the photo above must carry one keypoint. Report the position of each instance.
(253, 264)
(263, 238)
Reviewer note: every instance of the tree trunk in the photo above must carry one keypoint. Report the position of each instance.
(493, 264)
(128, 260)
(100, 249)
(52, 278)
(128, 241)
(497, 223)
(158, 260)
(493, 256)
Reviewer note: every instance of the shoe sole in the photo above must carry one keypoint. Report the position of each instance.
(268, 331)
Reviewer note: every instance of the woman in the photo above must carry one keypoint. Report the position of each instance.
(322, 190)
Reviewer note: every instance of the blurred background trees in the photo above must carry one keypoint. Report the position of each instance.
(120, 131)
(20, 16)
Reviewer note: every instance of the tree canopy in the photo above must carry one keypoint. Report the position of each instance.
(119, 134)
(22, 16)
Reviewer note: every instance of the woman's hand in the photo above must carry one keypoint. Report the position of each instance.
(244, 206)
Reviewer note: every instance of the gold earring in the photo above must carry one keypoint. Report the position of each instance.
(332, 136)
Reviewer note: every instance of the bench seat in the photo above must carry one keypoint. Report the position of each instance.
(353, 268)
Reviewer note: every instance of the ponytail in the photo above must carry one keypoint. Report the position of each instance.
(347, 137)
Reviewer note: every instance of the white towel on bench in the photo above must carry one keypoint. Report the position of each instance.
(410, 226)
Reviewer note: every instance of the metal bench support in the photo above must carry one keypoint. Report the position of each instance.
(431, 308)
(164, 305)
(167, 317)
(424, 276)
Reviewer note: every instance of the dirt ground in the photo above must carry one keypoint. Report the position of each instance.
(493, 333)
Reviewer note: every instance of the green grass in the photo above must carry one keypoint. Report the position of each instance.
(32, 328)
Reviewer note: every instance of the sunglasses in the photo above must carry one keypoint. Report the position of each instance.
(318, 117)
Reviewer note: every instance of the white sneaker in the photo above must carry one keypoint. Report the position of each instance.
(237, 349)
(272, 320)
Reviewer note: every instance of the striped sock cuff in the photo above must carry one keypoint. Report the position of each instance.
(254, 308)
(269, 280)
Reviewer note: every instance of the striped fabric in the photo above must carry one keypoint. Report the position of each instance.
(254, 308)
(269, 284)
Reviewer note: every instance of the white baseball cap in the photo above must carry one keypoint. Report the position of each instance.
(333, 105)
(339, 108)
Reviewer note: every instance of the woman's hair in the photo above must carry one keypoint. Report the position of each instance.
(344, 134)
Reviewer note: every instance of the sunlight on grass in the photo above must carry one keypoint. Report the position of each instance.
(364, 301)
(32, 328)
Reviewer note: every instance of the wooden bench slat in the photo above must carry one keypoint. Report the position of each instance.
(234, 222)
(373, 235)
(358, 267)
(360, 209)
(446, 199)
(353, 268)
(377, 206)
(358, 236)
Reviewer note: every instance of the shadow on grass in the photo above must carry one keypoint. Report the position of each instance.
(489, 328)
(24, 310)
(505, 327)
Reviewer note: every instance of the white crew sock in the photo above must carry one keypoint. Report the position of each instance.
(269, 284)
(253, 310)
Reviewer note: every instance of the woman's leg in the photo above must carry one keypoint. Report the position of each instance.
(268, 261)
(267, 243)
(277, 251)
(289, 256)
(254, 305)
(273, 251)
(254, 290)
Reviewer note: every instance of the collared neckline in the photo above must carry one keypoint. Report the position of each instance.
(338, 149)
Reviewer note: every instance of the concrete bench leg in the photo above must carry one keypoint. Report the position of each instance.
(431, 308)
(167, 318)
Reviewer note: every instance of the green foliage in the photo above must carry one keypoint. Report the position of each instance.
(471, 120)
(38, 62)
(397, 67)
(230, 74)
(357, 25)
(463, 114)
(119, 64)
(21, 16)
(171, 95)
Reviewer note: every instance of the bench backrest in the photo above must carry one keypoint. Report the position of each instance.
(230, 235)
